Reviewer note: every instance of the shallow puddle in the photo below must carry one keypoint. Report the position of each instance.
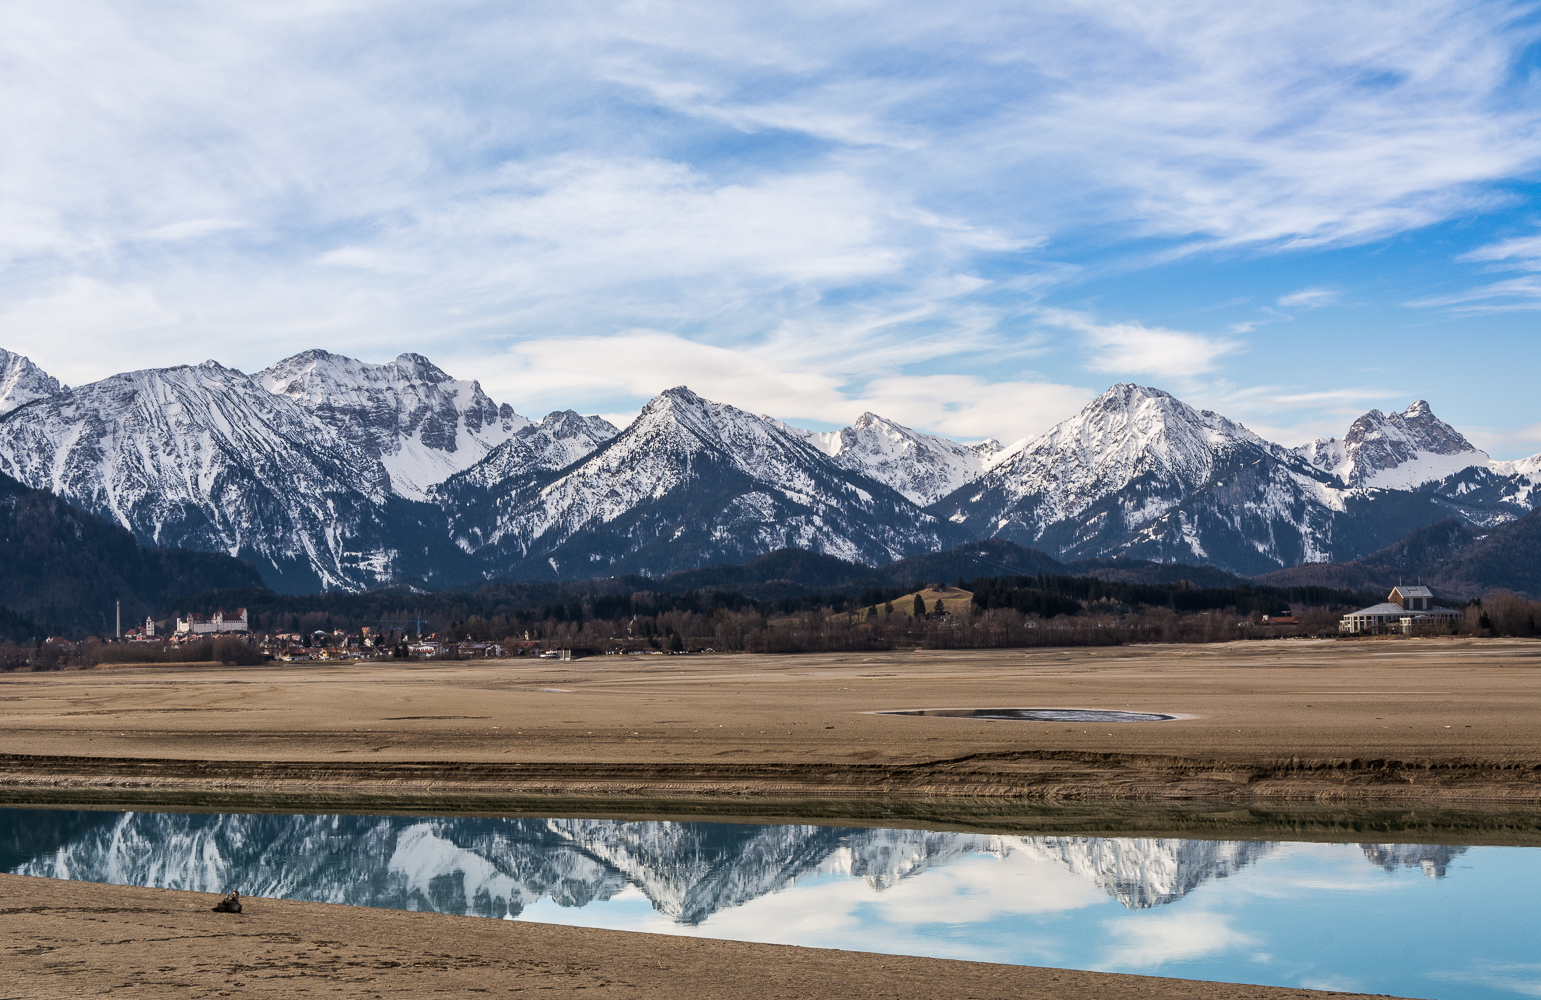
(1037, 714)
(1419, 920)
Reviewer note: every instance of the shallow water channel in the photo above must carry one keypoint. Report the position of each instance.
(1416, 920)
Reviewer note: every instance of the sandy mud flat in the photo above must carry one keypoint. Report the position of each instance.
(1439, 723)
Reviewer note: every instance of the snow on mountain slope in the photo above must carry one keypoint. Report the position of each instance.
(922, 467)
(1128, 433)
(554, 442)
(202, 457)
(421, 424)
(1139, 473)
(21, 381)
(1141, 445)
(1397, 451)
(688, 483)
(1518, 467)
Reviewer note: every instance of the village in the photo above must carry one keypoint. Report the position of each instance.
(228, 637)
(185, 634)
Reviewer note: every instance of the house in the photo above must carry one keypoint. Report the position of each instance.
(196, 624)
(1404, 608)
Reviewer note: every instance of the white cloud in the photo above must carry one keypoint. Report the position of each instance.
(784, 379)
(1510, 295)
(1522, 978)
(1523, 252)
(851, 198)
(1308, 298)
(192, 229)
(1136, 349)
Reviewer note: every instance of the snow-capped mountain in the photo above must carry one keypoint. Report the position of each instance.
(21, 381)
(690, 482)
(922, 467)
(421, 424)
(1121, 476)
(1142, 443)
(558, 440)
(1395, 451)
(203, 457)
(1141, 474)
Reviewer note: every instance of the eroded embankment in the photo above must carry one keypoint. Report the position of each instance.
(1014, 776)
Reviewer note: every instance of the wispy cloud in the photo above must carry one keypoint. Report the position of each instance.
(1136, 349)
(1523, 252)
(1308, 298)
(895, 191)
(795, 385)
(1510, 295)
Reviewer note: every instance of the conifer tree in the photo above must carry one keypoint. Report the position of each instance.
(920, 606)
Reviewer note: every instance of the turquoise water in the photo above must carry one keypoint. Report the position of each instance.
(1405, 919)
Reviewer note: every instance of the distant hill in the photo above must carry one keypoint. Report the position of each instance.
(992, 557)
(1143, 571)
(64, 567)
(1453, 558)
(812, 572)
(1508, 557)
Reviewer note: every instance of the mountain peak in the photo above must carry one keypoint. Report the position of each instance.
(421, 423)
(679, 394)
(22, 381)
(1129, 437)
(1128, 393)
(1395, 450)
(421, 367)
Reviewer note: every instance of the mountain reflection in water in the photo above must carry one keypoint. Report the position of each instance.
(499, 867)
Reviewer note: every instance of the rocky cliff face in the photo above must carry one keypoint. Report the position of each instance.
(21, 381)
(1395, 451)
(420, 424)
(202, 457)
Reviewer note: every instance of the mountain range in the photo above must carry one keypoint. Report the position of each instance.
(328, 473)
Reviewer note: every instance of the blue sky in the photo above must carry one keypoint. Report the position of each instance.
(968, 217)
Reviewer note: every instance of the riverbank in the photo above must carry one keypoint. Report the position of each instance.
(1431, 724)
(69, 938)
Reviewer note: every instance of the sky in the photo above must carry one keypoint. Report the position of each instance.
(971, 218)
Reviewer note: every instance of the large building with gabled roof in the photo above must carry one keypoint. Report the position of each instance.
(1405, 608)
